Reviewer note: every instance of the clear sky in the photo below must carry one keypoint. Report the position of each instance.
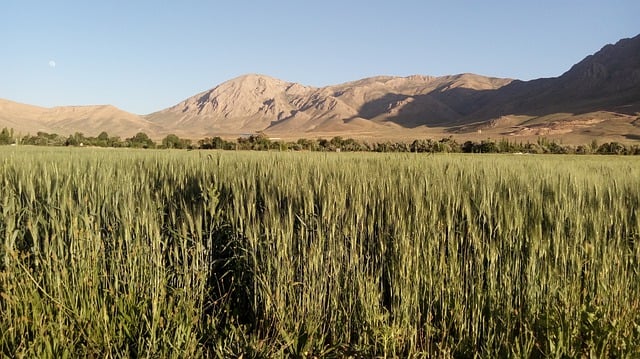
(144, 56)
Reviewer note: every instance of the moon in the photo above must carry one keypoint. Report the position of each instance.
(52, 64)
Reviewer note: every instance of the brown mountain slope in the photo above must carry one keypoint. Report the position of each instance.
(21, 117)
(260, 103)
(609, 80)
(598, 97)
(89, 120)
(95, 119)
(243, 105)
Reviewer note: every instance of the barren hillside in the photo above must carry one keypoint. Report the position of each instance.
(260, 103)
(89, 120)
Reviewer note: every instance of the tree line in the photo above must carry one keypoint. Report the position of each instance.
(261, 142)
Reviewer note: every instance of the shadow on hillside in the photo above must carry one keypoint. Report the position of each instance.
(459, 107)
(380, 106)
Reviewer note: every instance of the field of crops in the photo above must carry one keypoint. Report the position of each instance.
(142, 253)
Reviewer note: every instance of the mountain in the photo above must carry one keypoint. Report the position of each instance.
(243, 105)
(65, 120)
(21, 117)
(599, 97)
(608, 80)
(253, 103)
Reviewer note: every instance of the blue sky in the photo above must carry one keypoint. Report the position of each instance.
(144, 56)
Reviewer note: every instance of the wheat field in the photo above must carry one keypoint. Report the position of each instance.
(149, 253)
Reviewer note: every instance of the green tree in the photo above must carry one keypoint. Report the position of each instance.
(102, 140)
(44, 139)
(77, 139)
(260, 141)
(487, 147)
(216, 143)
(6, 137)
(613, 148)
(173, 141)
(141, 140)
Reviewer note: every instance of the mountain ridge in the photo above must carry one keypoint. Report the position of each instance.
(598, 96)
(256, 102)
(65, 120)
